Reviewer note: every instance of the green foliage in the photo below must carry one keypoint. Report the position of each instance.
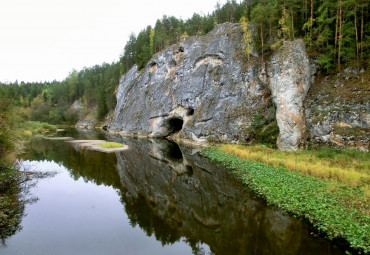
(50, 101)
(168, 30)
(7, 124)
(111, 145)
(40, 109)
(263, 131)
(325, 61)
(37, 127)
(285, 32)
(56, 115)
(259, 19)
(11, 208)
(338, 210)
(69, 116)
(102, 106)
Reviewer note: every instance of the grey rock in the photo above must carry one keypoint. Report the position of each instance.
(87, 124)
(290, 79)
(343, 122)
(201, 87)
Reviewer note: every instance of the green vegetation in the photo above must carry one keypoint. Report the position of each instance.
(11, 210)
(337, 34)
(264, 131)
(7, 127)
(36, 127)
(336, 209)
(51, 101)
(347, 166)
(111, 145)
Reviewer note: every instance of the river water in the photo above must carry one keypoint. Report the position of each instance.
(155, 198)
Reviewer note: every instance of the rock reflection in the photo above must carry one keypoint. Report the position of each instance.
(207, 206)
(175, 194)
(170, 153)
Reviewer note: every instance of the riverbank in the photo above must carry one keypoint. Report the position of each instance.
(336, 209)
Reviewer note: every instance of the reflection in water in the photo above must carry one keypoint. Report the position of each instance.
(12, 204)
(176, 195)
(207, 206)
(170, 153)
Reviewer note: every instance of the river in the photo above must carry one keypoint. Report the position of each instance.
(155, 198)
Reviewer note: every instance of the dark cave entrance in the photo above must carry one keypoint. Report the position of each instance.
(190, 112)
(174, 125)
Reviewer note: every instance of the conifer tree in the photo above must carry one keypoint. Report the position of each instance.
(258, 17)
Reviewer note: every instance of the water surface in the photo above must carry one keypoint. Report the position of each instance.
(155, 198)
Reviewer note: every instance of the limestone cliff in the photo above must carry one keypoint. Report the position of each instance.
(205, 89)
(202, 87)
(290, 79)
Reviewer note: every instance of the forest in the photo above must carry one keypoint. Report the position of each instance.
(336, 32)
(337, 37)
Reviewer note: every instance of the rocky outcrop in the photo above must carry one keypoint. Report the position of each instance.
(337, 110)
(88, 124)
(202, 89)
(77, 112)
(205, 89)
(290, 79)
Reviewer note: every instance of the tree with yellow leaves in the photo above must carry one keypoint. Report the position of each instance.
(247, 35)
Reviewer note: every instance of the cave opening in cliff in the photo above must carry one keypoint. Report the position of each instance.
(190, 112)
(174, 125)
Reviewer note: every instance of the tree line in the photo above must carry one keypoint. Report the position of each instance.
(50, 102)
(336, 32)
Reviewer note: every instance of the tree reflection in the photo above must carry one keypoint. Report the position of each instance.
(175, 194)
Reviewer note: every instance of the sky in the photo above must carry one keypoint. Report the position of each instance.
(43, 40)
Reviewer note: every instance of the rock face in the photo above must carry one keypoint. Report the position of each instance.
(290, 79)
(205, 89)
(337, 110)
(202, 89)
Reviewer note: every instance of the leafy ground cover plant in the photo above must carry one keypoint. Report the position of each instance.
(336, 209)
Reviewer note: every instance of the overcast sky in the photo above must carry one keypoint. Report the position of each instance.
(43, 40)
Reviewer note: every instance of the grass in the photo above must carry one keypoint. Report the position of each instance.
(347, 166)
(111, 145)
(337, 209)
(35, 127)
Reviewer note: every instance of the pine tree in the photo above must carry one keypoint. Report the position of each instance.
(258, 17)
(323, 34)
